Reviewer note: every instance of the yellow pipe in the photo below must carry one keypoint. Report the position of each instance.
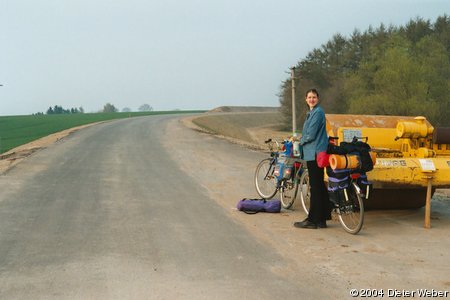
(413, 130)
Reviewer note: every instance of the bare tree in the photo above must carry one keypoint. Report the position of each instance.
(145, 107)
(109, 108)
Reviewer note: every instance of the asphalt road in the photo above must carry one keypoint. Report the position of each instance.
(109, 213)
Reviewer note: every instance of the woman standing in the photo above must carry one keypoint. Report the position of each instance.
(313, 141)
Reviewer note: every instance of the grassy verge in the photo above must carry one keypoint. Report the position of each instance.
(19, 130)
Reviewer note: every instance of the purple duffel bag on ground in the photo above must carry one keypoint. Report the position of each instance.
(253, 206)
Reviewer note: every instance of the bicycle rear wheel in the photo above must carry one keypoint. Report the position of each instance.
(288, 192)
(265, 181)
(351, 211)
(305, 193)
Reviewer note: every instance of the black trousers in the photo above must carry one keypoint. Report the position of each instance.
(320, 208)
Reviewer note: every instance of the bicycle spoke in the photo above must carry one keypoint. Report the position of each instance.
(265, 181)
(351, 212)
(288, 193)
(305, 191)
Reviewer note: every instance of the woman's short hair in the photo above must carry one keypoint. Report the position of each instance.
(314, 91)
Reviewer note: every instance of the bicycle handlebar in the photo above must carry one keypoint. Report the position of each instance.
(357, 138)
(354, 139)
(273, 145)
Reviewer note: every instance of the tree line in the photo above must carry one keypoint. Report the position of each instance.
(107, 108)
(391, 70)
(56, 110)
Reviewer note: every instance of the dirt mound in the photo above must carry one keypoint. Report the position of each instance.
(249, 128)
(222, 109)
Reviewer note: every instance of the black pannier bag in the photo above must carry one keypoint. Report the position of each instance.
(338, 181)
(365, 185)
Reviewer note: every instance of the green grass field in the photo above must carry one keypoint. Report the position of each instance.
(19, 130)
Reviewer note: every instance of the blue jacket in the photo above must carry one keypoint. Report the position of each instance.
(314, 135)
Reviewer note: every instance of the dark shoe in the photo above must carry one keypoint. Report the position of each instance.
(298, 224)
(305, 224)
(322, 224)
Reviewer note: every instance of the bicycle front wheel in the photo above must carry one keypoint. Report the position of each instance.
(265, 180)
(288, 192)
(305, 191)
(351, 211)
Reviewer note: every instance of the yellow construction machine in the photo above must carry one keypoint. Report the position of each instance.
(413, 157)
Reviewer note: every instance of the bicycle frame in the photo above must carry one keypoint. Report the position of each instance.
(273, 162)
(285, 182)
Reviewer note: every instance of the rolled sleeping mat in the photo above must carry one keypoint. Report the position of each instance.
(348, 161)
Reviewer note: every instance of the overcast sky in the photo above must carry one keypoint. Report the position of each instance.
(171, 54)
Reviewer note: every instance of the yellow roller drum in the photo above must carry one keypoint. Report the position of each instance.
(413, 130)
